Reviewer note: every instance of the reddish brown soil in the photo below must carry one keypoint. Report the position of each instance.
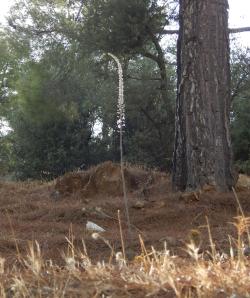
(46, 212)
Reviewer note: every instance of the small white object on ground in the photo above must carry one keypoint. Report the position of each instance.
(91, 226)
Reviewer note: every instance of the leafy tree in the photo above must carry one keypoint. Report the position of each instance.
(51, 119)
(149, 129)
(66, 85)
(147, 121)
(240, 119)
(133, 30)
(130, 28)
(6, 162)
(50, 149)
(123, 27)
(240, 127)
(240, 71)
(8, 67)
(81, 25)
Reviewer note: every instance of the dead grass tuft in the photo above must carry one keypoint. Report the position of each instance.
(180, 253)
(151, 272)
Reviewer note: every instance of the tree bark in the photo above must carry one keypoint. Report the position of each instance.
(202, 152)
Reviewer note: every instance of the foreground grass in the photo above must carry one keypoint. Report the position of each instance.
(156, 273)
(201, 271)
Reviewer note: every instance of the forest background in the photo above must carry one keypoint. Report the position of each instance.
(58, 88)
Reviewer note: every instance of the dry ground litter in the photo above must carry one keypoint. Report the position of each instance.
(48, 212)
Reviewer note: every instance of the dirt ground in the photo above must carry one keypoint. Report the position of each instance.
(48, 212)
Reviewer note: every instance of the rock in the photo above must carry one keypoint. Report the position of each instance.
(170, 240)
(243, 183)
(84, 211)
(139, 205)
(91, 226)
(99, 214)
(191, 196)
(246, 251)
(208, 188)
(130, 253)
(159, 204)
(55, 195)
(86, 201)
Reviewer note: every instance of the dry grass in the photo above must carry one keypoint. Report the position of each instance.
(156, 273)
(69, 264)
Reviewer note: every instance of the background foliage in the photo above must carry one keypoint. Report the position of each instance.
(58, 89)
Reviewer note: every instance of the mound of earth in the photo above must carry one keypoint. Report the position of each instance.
(243, 183)
(29, 212)
(105, 179)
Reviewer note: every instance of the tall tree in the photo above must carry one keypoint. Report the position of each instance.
(202, 152)
(130, 28)
(51, 115)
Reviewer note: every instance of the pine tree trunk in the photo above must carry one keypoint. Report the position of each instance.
(202, 143)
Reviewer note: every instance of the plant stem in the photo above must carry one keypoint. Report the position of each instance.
(121, 113)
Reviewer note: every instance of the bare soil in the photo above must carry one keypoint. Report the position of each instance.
(49, 212)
